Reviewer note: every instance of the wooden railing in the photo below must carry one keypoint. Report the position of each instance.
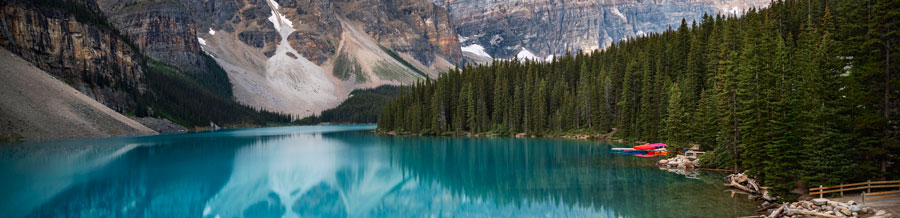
(868, 186)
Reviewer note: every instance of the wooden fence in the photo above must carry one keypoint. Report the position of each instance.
(867, 186)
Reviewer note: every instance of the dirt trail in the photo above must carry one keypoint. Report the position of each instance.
(39, 107)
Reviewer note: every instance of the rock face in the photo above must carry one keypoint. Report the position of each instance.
(77, 49)
(413, 26)
(38, 107)
(550, 27)
(301, 57)
(163, 30)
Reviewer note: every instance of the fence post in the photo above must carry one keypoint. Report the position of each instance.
(820, 191)
(869, 185)
(864, 198)
(842, 189)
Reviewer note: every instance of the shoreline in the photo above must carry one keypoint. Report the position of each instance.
(588, 137)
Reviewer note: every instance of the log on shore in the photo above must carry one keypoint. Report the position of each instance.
(777, 212)
(741, 187)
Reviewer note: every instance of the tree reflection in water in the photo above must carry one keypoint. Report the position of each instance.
(335, 171)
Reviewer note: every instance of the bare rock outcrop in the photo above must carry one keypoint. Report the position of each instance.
(546, 27)
(79, 48)
(38, 107)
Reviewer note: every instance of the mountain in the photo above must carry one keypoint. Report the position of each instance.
(68, 40)
(229, 62)
(35, 106)
(201, 61)
(540, 28)
(296, 57)
(76, 43)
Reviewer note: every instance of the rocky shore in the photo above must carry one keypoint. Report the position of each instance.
(681, 165)
(743, 184)
(821, 207)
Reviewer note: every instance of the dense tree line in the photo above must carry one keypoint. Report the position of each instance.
(800, 91)
(177, 96)
(363, 106)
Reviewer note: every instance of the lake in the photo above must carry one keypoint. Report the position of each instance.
(347, 171)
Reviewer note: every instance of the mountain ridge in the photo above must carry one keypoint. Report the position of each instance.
(512, 28)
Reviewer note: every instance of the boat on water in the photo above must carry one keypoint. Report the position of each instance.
(647, 147)
(646, 150)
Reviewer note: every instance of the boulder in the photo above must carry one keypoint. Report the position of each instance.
(846, 212)
(854, 208)
(662, 162)
(880, 213)
(820, 201)
(696, 163)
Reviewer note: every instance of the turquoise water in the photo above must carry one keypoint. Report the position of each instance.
(346, 171)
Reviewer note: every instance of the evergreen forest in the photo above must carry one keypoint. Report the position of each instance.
(800, 93)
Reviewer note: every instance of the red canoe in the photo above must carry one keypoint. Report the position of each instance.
(644, 147)
(650, 146)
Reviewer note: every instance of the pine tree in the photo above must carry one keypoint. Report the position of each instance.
(675, 120)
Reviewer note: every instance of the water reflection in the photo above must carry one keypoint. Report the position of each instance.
(337, 171)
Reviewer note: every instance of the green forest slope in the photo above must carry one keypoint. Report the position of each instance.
(801, 91)
(363, 106)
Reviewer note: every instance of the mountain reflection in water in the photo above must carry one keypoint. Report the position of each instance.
(346, 171)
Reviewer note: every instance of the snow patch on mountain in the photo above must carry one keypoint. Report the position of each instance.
(526, 55)
(292, 77)
(274, 4)
(618, 13)
(476, 49)
(212, 32)
(462, 38)
(549, 58)
(282, 24)
(201, 40)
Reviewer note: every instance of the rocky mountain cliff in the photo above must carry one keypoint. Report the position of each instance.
(69, 42)
(161, 29)
(303, 56)
(540, 28)
(297, 57)
(289, 56)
